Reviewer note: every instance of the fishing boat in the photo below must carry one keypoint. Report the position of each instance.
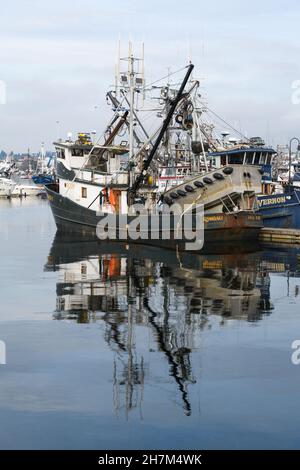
(94, 185)
(44, 174)
(277, 202)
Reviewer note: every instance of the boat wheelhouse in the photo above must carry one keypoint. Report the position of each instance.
(262, 157)
(242, 156)
(296, 174)
(84, 170)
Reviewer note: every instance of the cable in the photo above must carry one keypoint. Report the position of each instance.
(167, 76)
(227, 124)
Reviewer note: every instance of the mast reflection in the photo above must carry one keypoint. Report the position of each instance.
(135, 291)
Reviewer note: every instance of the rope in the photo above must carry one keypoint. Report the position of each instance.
(227, 124)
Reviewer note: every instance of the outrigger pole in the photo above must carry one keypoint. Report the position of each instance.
(146, 164)
(114, 132)
(122, 120)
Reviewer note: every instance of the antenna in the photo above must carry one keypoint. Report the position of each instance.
(143, 71)
(118, 67)
(122, 78)
(189, 51)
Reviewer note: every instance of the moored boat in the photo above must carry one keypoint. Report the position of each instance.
(7, 187)
(94, 184)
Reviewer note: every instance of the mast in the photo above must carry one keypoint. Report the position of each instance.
(131, 104)
(131, 82)
(29, 161)
(43, 157)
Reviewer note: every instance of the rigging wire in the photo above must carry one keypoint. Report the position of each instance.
(227, 124)
(167, 76)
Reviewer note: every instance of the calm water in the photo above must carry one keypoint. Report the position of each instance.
(131, 347)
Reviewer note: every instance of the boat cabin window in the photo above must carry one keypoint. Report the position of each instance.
(262, 159)
(236, 159)
(224, 159)
(84, 193)
(60, 153)
(257, 158)
(249, 158)
(77, 153)
(170, 171)
(269, 158)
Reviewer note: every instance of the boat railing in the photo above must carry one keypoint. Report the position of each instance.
(103, 178)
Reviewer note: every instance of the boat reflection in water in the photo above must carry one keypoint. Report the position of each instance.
(148, 299)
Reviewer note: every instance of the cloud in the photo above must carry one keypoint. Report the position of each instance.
(58, 60)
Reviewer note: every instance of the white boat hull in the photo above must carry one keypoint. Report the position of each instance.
(7, 187)
(23, 190)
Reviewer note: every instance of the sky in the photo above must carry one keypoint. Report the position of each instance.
(57, 60)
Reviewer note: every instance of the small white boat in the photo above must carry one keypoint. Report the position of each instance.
(7, 187)
(26, 190)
